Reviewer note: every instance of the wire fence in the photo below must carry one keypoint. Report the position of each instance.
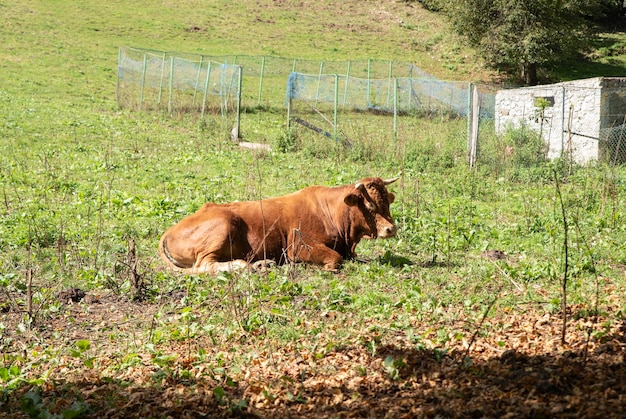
(582, 121)
(264, 78)
(149, 80)
(398, 94)
(344, 108)
(612, 145)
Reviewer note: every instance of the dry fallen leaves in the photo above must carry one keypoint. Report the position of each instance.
(519, 370)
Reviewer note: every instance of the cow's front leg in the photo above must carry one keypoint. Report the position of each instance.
(317, 254)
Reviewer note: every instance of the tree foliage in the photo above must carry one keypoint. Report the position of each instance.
(522, 37)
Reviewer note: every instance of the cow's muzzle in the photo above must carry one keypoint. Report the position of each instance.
(387, 230)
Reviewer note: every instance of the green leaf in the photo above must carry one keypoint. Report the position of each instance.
(389, 360)
(31, 403)
(219, 393)
(76, 410)
(83, 345)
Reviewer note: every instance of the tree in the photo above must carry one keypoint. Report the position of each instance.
(519, 37)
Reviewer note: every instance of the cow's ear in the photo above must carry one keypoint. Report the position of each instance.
(351, 200)
(392, 198)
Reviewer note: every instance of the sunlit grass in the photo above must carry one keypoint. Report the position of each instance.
(80, 178)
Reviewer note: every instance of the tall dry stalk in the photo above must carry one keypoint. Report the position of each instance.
(29, 295)
(566, 254)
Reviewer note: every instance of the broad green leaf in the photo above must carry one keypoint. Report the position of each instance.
(83, 345)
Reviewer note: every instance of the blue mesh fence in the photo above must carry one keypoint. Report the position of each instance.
(160, 80)
(264, 76)
(329, 96)
(350, 108)
(386, 95)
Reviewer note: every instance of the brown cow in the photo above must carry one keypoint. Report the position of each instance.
(316, 225)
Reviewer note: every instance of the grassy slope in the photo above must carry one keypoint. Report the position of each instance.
(66, 37)
(608, 58)
(79, 176)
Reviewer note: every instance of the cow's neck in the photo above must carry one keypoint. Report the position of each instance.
(339, 224)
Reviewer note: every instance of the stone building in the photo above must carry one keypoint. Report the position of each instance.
(577, 119)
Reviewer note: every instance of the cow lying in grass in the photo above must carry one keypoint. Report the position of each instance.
(317, 225)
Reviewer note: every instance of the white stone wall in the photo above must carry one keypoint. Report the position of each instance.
(570, 124)
(613, 102)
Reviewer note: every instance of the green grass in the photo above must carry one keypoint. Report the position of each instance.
(607, 58)
(80, 177)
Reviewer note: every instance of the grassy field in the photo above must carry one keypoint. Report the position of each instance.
(460, 315)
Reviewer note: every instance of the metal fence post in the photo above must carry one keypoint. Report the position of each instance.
(143, 79)
(206, 89)
(369, 70)
(475, 116)
(395, 110)
(195, 87)
(345, 90)
(336, 104)
(162, 76)
(319, 80)
(469, 119)
(390, 82)
(238, 106)
(261, 81)
(169, 102)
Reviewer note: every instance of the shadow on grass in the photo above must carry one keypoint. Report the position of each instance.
(513, 384)
(582, 70)
(413, 383)
(351, 381)
(398, 261)
(608, 61)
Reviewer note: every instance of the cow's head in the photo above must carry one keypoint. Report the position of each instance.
(372, 196)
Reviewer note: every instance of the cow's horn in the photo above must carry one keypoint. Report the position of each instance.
(359, 185)
(388, 181)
